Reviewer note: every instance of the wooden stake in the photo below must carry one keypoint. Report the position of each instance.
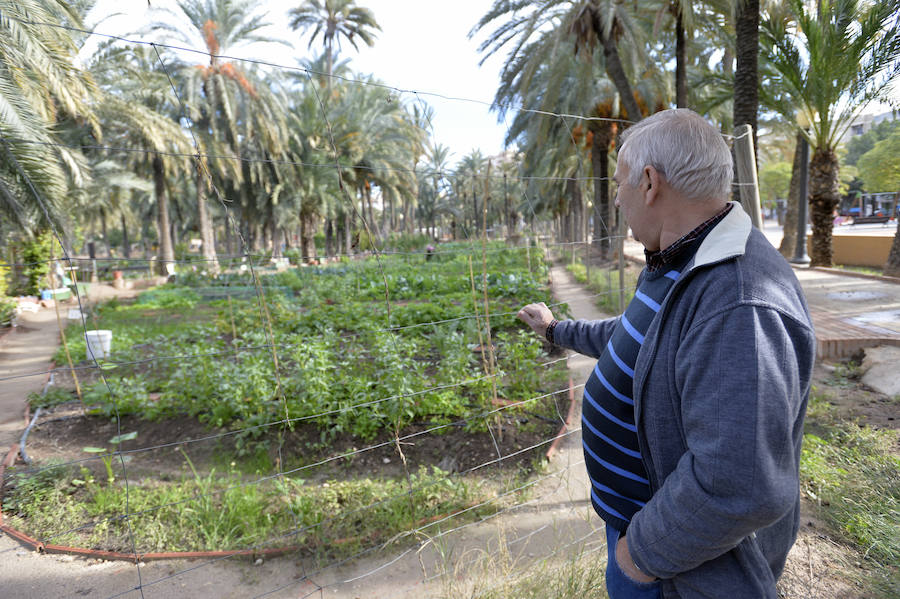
(62, 336)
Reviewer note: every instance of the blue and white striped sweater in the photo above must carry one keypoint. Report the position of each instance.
(619, 485)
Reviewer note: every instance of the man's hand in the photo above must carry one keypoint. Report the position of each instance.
(623, 558)
(537, 316)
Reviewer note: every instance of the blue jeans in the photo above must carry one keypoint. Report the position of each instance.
(618, 584)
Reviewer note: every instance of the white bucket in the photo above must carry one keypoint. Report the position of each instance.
(98, 343)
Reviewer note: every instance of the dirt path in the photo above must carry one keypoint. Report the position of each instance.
(26, 349)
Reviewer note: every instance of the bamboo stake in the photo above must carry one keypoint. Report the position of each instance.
(477, 317)
(233, 327)
(528, 253)
(62, 336)
(487, 311)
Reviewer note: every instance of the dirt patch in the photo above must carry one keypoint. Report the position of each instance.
(819, 567)
(63, 432)
(853, 400)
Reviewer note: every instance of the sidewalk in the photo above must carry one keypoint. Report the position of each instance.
(849, 312)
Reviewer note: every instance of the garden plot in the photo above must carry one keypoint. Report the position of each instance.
(325, 412)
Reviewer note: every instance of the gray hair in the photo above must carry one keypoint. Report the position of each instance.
(689, 152)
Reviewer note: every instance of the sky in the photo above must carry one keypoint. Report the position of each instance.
(423, 46)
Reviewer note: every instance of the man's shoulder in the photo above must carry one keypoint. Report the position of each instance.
(759, 276)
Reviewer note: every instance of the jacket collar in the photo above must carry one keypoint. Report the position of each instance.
(727, 239)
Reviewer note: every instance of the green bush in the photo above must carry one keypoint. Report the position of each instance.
(168, 298)
(4, 280)
(7, 311)
(36, 257)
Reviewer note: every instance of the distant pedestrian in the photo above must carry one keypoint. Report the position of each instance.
(693, 416)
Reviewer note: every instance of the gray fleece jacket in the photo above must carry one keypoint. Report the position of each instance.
(720, 391)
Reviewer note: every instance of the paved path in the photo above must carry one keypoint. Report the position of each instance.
(849, 312)
(26, 349)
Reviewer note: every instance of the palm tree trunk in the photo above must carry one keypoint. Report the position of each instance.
(892, 267)
(229, 239)
(681, 92)
(393, 214)
(823, 198)
(166, 250)
(348, 232)
(368, 195)
(789, 236)
(617, 76)
(126, 243)
(207, 239)
(105, 233)
(410, 217)
(571, 216)
(602, 136)
(746, 76)
(273, 235)
(329, 237)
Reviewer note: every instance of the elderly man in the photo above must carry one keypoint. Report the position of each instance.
(692, 419)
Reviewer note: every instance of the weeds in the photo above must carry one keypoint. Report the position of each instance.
(217, 512)
(852, 474)
(501, 575)
(605, 283)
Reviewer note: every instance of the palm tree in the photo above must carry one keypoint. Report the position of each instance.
(107, 193)
(746, 74)
(833, 61)
(231, 107)
(39, 88)
(138, 104)
(334, 20)
(588, 22)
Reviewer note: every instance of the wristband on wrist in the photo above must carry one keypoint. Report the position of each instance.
(549, 332)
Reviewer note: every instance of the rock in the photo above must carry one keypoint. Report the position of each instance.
(449, 463)
(880, 367)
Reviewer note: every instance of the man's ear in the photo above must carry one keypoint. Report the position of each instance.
(651, 176)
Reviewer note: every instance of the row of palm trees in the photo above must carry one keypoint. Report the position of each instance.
(141, 131)
(793, 62)
(246, 156)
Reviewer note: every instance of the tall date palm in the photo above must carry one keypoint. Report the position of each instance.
(335, 20)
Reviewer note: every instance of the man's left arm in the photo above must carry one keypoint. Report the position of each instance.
(741, 376)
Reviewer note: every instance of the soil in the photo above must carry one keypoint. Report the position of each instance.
(63, 431)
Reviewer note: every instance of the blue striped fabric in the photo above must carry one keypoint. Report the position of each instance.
(619, 485)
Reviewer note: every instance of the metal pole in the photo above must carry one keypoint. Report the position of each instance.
(800, 256)
(621, 228)
(746, 167)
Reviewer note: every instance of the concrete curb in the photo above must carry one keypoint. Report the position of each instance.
(850, 273)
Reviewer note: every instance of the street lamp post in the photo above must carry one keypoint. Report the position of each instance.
(800, 256)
